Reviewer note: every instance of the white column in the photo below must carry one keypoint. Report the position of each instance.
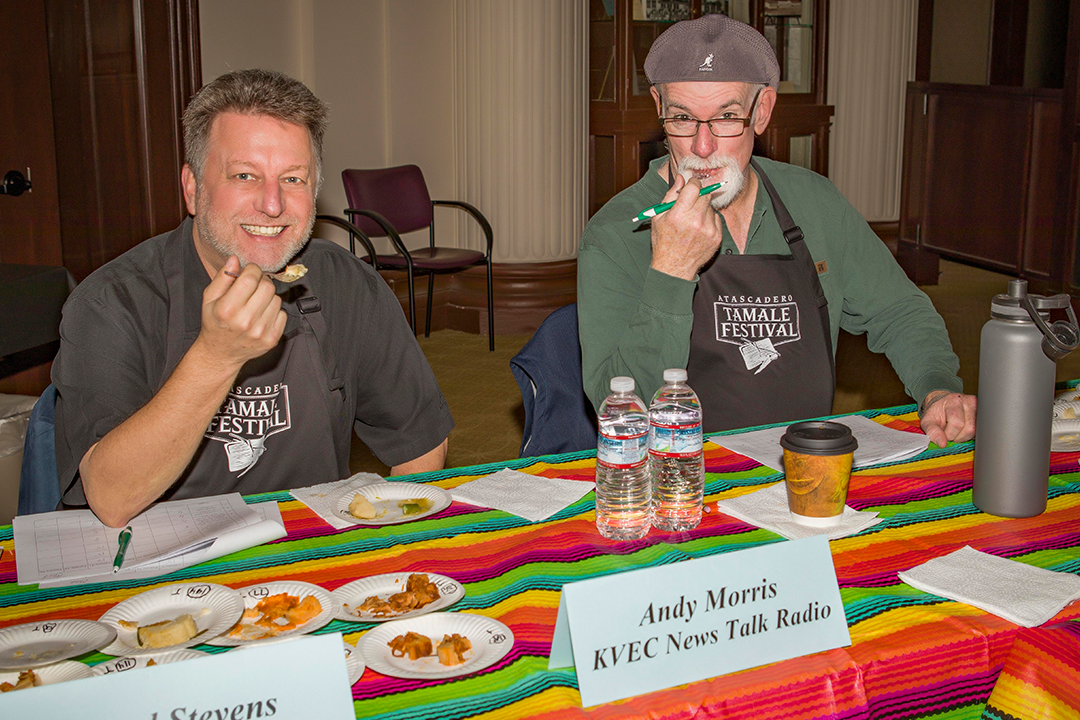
(871, 60)
(521, 123)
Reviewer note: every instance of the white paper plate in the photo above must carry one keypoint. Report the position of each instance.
(354, 662)
(1067, 410)
(252, 594)
(52, 674)
(37, 644)
(385, 496)
(124, 664)
(383, 586)
(1065, 436)
(491, 641)
(1068, 395)
(215, 609)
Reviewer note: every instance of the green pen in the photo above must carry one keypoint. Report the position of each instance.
(124, 539)
(663, 207)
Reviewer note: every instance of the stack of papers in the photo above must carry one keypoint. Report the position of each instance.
(877, 443)
(71, 547)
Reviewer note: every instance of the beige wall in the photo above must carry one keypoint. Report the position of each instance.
(344, 51)
(393, 72)
(238, 34)
(960, 48)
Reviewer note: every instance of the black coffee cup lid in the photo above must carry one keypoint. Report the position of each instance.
(819, 437)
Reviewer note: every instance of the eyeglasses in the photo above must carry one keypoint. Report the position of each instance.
(720, 127)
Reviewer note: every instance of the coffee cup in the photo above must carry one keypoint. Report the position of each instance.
(817, 470)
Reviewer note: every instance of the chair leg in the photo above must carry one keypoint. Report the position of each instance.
(491, 311)
(412, 303)
(430, 293)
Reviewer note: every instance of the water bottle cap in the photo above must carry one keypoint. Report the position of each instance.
(674, 375)
(1010, 305)
(817, 437)
(622, 384)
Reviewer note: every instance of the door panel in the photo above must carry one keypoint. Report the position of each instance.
(30, 222)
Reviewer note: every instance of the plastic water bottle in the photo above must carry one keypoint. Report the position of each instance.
(675, 454)
(622, 472)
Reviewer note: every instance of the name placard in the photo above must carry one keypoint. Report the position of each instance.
(299, 679)
(655, 628)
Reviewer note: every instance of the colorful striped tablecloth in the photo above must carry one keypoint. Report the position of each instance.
(913, 655)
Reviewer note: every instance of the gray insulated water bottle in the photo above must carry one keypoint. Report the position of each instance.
(1017, 356)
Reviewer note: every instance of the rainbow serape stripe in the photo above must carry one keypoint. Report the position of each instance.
(913, 655)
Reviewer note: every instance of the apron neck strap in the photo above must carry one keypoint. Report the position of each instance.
(792, 232)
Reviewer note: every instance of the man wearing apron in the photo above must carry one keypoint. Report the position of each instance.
(185, 370)
(746, 287)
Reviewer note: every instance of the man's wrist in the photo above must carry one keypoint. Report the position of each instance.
(931, 397)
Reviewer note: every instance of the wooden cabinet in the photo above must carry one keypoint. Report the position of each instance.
(980, 179)
(624, 134)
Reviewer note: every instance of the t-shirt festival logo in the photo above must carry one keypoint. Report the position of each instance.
(758, 324)
(246, 419)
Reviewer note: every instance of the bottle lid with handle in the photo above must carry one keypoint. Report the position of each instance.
(1059, 338)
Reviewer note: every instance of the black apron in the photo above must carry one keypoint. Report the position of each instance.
(760, 349)
(276, 428)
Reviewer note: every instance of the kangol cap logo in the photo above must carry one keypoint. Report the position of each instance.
(707, 65)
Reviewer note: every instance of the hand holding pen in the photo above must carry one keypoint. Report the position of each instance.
(689, 233)
(123, 540)
(663, 207)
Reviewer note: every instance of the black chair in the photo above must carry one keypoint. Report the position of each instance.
(386, 202)
(558, 415)
(39, 481)
(355, 234)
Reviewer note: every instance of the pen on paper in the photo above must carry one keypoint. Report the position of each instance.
(663, 207)
(124, 540)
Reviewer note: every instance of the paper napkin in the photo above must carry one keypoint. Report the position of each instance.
(877, 443)
(768, 509)
(1020, 593)
(532, 497)
(323, 498)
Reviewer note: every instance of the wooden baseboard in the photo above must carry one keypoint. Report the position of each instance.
(524, 294)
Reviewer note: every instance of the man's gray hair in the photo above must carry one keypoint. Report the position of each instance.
(253, 92)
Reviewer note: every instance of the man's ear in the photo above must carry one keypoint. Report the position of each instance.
(659, 101)
(763, 112)
(188, 182)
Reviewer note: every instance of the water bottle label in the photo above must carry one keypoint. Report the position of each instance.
(675, 440)
(621, 451)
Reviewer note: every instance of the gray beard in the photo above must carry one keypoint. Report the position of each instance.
(205, 223)
(733, 178)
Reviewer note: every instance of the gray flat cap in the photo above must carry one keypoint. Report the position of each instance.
(713, 48)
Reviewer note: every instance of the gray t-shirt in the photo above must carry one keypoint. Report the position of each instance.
(118, 335)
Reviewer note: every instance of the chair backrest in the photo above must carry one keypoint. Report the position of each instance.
(398, 193)
(558, 415)
(39, 483)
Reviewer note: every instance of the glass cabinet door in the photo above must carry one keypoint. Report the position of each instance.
(789, 28)
(602, 70)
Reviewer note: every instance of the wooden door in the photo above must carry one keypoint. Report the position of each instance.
(30, 221)
(90, 101)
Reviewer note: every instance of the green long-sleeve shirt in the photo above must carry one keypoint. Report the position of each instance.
(636, 321)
